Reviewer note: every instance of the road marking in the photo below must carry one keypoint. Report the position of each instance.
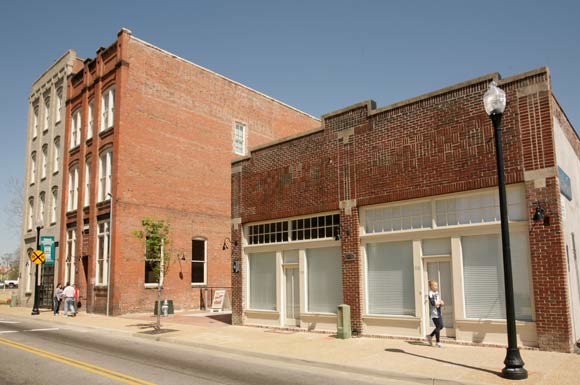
(9, 322)
(8, 331)
(41, 330)
(121, 377)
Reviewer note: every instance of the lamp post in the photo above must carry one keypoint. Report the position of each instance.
(109, 256)
(35, 310)
(494, 102)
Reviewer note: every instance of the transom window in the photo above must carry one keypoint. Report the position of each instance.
(318, 227)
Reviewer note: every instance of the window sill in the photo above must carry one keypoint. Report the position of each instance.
(100, 286)
(204, 284)
(152, 286)
(390, 317)
(106, 132)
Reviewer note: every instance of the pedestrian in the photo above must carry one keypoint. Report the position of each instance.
(57, 299)
(76, 302)
(435, 304)
(69, 297)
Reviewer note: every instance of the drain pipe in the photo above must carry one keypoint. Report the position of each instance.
(109, 256)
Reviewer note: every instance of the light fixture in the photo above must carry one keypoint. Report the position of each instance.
(494, 100)
(228, 241)
(539, 214)
(338, 233)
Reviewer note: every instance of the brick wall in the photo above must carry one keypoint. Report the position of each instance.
(434, 144)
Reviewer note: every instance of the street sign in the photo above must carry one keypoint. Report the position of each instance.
(47, 244)
(37, 257)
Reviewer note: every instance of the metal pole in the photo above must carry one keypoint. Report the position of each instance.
(514, 365)
(109, 256)
(35, 310)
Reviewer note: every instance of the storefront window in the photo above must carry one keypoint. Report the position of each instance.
(324, 269)
(263, 281)
(390, 279)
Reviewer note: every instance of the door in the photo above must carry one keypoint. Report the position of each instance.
(46, 286)
(440, 271)
(292, 296)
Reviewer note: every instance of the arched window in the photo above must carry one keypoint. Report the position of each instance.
(73, 188)
(75, 136)
(107, 108)
(105, 174)
(56, 154)
(87, 185)
(53, 204)
(41, 205)
(33, 167)
(44, 161)
(30, 216)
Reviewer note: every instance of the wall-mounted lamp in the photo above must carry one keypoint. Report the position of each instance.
(228, 241)
(539, 214)
(338, 231)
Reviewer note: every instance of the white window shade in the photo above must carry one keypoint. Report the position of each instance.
(483, 276)
(397, 218)
(390, 278)
(263, 281)
(324, 268)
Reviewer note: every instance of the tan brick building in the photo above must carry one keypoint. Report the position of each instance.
(150, 134)
(368, 207)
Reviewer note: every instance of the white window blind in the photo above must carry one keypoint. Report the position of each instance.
(263, 281)
(390, 279)
(397, 218)
(324, 267)
(434, 247)
(483, 276)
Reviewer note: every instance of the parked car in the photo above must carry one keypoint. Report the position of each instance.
(11, 283)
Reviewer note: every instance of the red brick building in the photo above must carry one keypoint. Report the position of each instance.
(367, 208)
(149, 134)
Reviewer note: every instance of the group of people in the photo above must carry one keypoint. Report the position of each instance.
(70, 294)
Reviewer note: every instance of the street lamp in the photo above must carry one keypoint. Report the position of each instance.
(494, 101)
(35, 310)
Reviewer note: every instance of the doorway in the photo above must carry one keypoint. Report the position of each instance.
(440, 270)
(292, 296)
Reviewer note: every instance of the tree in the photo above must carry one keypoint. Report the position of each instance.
(158, 257)
(13, 209)
(9, 263)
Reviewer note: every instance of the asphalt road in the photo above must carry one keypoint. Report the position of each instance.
(56, 354)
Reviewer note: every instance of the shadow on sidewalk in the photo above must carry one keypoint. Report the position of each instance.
(444, 361)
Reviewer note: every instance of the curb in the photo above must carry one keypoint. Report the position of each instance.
(297, 361)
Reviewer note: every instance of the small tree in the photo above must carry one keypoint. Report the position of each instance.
(157, 254)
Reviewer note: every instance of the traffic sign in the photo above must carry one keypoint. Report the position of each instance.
(37, 257)
(47, 244)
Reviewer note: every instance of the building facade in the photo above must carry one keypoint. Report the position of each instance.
(151, 135)
(369, 207)
(43, 175)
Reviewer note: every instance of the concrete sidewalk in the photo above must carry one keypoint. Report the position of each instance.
(391, 358)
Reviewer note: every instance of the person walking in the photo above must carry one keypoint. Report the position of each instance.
(76, 302)
(435, 304)
(69, 297)
(57, 298)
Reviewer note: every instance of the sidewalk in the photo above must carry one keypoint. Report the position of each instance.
(396, 359)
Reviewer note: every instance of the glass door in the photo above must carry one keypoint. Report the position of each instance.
(440, 271)
(292, 296)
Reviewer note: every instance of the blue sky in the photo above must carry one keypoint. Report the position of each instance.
(318, 56)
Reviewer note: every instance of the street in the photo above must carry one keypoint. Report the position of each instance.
(44, 353)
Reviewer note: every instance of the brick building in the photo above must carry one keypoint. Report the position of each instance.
(151, 135)
(368, 207)
(43, 176)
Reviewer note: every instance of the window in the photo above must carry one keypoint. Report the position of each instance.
(198, 260)
(324, 268)
(262, 281)
(53, 205)
(397, 218)
(390, 279)
(103, 253)
(42, 197)
(75, 137)
(69, 272)
(108, 108)
(35, 122)
(46, 114)
(30, 216)
(44, 161)
(58, 105)
(105, 176)
(73, 188)
(436, 247)
(153, 256)
(480, 208)
(33, 167)
(87, 189)
(56, 155)
(319, 227)
(91, 119)
(240, 138)
(483, 276)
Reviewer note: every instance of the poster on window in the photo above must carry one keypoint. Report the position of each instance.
(219, 297)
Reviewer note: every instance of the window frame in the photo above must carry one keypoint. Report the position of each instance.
(101, 271)
(87, 182)
(105, 175)
(76, 128)
(107, 109)
(54, 204)
(73, 188)
(59, 103)
(70, 263)
(204, 262)
(32, 168)
(56, 155)
(91, 119)
(30, 216)
(46, 120)
(240, 140)
(44, 161)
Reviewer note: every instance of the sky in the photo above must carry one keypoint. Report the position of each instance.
(316, 55)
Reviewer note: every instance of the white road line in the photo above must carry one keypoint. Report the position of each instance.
(40, 330)
(8, 331)
(9, 322)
